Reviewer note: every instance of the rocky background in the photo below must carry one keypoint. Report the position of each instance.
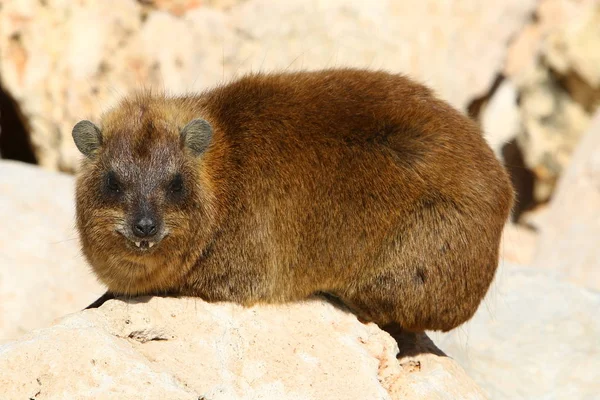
(528, 71)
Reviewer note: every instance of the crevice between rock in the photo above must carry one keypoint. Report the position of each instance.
(580, 91)
(477, 105)
(15, 143)
(522, 178)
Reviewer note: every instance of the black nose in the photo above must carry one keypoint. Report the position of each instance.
(145, 227)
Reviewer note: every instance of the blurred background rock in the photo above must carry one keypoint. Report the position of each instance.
(528, 71)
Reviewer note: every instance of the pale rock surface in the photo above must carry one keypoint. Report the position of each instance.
(556, 20)
(535, 218)
(570, 232)
(65, 61)
(456, 47)
(553, 125)
(534, 337)
(42, 274)
(519, 244)
(576, 47)
(180, 7)
(501, 119)
(554, 63)
(166, 348)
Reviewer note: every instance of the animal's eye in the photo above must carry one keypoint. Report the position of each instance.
(176, 185)
(112, 183)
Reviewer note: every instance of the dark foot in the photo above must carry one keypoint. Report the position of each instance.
(411, 343)
(103, 299)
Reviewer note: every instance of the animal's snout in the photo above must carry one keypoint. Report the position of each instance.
(145, 227)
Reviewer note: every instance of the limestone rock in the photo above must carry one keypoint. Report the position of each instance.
(175, 7)
(555, 21)
(501, 118)
(42, 274)
(555, 66)
(457, 51)
(165, 348)
(519, 244)
(66, 61)
(576, 47)
(553, 125)
(535, 219)
(569, 239)
(535, 337)
(180, 7)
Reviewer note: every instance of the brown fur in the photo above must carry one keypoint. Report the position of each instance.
(354, 183)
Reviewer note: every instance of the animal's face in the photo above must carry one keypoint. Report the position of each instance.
(140, 197)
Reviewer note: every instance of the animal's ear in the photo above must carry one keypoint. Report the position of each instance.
(87, 138)
(196, 136)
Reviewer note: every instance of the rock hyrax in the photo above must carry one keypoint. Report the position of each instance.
(274, 187)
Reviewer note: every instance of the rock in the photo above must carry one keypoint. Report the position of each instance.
(535, 337)
(571, 228)
(501, 118)
(65, 61)
(180, 7)
(175, 7)
(553, 18)
(535, 219)
(553, 125)
(576, 47)
(519, 244)
(42, 274)
(555, 66)
(458, 50)
(157, 348)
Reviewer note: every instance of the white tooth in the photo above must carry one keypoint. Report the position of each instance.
(150, 244)
(137, 244)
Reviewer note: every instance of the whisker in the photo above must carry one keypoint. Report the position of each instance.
(64, 241)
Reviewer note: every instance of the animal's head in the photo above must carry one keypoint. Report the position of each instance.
(143, 195)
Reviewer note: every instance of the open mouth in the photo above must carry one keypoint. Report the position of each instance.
(138, 244)
(144, 244)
